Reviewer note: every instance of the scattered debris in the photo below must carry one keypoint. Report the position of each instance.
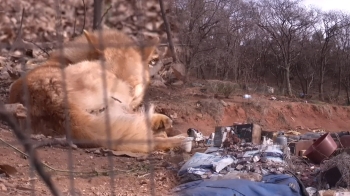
(240, 152)
(8, 170)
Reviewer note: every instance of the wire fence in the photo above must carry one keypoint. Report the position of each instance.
(39, 104)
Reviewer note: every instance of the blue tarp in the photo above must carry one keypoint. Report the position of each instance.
(271, 185)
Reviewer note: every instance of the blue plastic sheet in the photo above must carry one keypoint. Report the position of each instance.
(271, 185)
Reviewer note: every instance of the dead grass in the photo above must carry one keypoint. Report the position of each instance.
(224, 88)
(325, 110)
(213, 107)
(342, 161)
(281, 118)
(261, 107)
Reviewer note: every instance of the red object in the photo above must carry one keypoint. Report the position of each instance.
(345, 141)
(321, 149)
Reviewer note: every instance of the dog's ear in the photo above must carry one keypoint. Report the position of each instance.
(161, 125)
(149, 48)
(169, 124)
(93, 41)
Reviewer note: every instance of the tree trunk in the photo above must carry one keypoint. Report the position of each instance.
(303, 82)
(168, 33)
(288, 84)
(320, 86)
(202, 72)
(339, 82)
(98, 4)
(346, 85)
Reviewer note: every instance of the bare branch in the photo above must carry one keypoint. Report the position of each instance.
(42, 49)
(104, 14)
(19, 33)
(84, 17)
(7, 117)
(75, 23)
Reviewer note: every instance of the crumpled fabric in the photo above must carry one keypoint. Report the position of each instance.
(271, 185)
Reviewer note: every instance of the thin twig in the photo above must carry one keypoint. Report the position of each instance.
(104, 14)
(42, 49)
(82, 30)
(103, 172)
(19, 32)
(75, 22)
(144, 175)
(7, 117)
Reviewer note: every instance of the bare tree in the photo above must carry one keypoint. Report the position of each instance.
(331, 23)
(284, 20)
(343, 55)
(199, 20)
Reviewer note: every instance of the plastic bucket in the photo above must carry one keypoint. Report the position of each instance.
(187, 144)
(321, 149)
(345, 141)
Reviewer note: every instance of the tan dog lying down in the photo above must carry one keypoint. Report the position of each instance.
(87, 112)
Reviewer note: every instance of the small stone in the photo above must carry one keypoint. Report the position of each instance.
(3, 187)
(223, 103)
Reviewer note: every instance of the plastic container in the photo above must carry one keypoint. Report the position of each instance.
(321, 149)
(281, 140)
(187, 144)
(345, 141)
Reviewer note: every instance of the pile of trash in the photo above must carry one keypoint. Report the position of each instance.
(244, 160)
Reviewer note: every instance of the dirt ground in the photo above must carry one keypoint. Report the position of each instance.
(188, 107)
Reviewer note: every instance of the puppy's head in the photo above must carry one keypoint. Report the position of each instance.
(161, 122)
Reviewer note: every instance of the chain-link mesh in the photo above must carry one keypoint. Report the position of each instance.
(21, 52)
